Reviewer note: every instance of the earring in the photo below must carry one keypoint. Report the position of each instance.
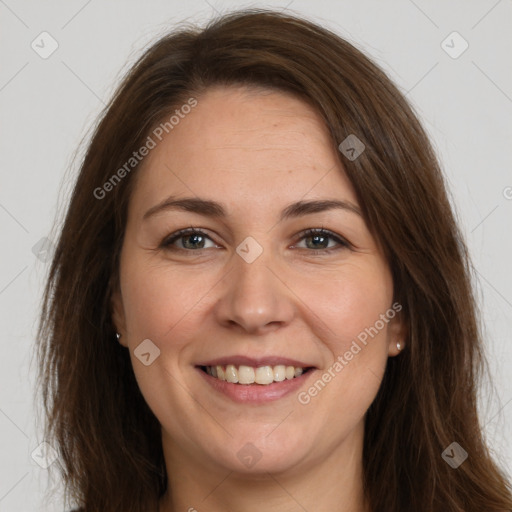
(118, 336)
(398, 346)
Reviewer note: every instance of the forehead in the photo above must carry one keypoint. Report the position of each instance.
(245, 147)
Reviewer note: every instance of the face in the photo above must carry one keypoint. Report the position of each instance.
(232, 283)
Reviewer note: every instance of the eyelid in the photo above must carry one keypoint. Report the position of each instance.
(342, 242)
(176, 235)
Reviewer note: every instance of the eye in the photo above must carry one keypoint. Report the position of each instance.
(320, 240)
(188, 239)
(194, 239)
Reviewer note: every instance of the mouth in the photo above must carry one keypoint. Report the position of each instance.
(261, 375)
(255, 380)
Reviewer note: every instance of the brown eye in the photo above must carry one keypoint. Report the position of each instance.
(320, 239)
(188, 239)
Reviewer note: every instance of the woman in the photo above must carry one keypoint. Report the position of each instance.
(260, 297)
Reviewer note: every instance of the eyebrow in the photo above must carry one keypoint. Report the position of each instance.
(210, 208)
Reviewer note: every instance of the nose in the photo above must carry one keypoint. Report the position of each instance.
(255, 298)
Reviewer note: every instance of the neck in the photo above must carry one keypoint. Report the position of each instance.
(332, 482)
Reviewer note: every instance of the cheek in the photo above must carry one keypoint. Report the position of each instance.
(158, 299)
(349, 304)
(352, 312)
(163, 305)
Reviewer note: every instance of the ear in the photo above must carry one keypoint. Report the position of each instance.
(118, 316)
(397, 331)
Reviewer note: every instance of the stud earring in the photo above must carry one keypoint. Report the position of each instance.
(398, 346)
(118, 336)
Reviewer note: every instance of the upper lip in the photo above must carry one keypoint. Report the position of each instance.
(255, 362)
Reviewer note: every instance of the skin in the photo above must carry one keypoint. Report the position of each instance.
(255, 152)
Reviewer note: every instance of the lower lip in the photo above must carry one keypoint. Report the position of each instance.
(256, 393)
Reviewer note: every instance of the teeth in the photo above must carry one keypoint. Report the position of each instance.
(263, 375)
(280, 373)
(231, 374)
(246, 375)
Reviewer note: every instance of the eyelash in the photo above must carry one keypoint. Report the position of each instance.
(311, 232)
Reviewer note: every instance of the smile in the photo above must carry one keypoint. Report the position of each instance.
(263, 375)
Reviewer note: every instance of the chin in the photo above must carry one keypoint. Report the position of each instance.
(254, 454)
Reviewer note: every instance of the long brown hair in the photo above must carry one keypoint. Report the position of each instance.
(108, 439)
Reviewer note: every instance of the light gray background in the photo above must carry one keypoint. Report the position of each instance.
(48, 105)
